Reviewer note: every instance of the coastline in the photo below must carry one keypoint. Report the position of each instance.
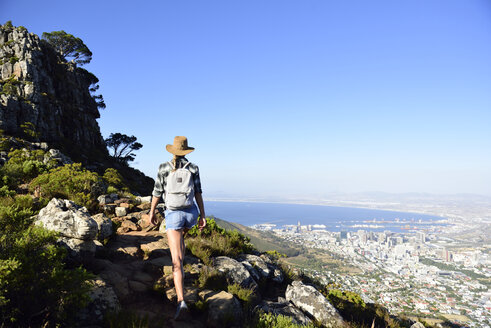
(339, 204)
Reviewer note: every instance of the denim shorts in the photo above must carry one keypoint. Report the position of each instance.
(179, 219)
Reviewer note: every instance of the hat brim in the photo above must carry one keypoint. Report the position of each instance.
(178, 152)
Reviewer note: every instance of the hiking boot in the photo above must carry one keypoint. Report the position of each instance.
(182, 309)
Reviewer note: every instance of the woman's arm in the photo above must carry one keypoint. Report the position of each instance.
(202, 215)
(152, 218)
(157, 193)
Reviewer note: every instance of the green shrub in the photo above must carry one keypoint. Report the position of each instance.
(200, 306)
(70, 181)
(245, 295)
(115, 180)
(269, 320)
(29, 130)
(353, 309)
(211, 227)
(199, 250)
(23, 165)
(13, 218)
(6, 192)
(274, 255)
(9, 86)
(288, 271)
(19, 203)
(352, 298)
(35, 287)
(8, 24)
(4, 141)
(13, 60)
(215, 241)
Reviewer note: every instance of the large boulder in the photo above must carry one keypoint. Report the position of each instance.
(286, 309)
(103, 299)
(79, 250)
(118, 281)
(104, 226)
(312, 302)
(67, 218)
(234, 271)
(224, 310)
(258, 263)
(255, 275)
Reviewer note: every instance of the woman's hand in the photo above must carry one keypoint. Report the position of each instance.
(201, 223)
(152, 218)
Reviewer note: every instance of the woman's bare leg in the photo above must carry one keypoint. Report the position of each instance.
(184, 232)
(176, 245)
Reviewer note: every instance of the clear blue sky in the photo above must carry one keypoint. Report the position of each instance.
(293, 98)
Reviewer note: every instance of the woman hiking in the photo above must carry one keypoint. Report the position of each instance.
(178, 183)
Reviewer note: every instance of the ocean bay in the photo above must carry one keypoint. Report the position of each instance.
(334, 218)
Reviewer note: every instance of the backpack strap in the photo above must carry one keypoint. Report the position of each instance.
(185, 166)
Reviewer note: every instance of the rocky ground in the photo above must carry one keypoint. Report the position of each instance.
(138, 266)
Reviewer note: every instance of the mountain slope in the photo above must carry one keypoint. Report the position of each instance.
(262, 240)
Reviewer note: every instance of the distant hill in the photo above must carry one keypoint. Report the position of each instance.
(262, 240)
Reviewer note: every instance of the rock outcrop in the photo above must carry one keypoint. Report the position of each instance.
(39, 86)
(104, 226)
(311, 301)
(286, 309)
(69, 219)
(224, 310)
(78, 230)
(102, 300)
(235, 271)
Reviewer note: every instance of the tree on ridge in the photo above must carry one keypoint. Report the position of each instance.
(69, 46)
(122, 146)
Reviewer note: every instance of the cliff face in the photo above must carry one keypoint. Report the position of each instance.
(37, 85)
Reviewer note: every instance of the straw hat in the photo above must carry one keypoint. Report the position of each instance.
(180, 146)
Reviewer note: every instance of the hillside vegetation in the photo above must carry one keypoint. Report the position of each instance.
(263, 241)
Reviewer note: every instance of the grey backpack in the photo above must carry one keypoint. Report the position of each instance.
(179, 190)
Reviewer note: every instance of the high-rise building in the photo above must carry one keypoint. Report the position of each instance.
(445, 255)
(421, 236)
(362, 234)
(343, 235)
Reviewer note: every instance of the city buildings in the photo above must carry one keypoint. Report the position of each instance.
(413, 272)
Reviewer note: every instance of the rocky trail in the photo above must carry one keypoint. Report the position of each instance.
(138, 266)
(133, 281)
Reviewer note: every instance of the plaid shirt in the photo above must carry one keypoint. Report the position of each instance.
(166, 168)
